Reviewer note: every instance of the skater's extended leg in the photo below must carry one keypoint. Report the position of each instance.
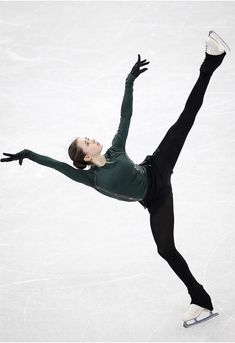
(174, 139)
(162, 226)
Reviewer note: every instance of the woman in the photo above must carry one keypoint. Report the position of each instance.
(149, 183)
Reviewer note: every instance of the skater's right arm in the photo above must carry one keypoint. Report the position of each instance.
(119, 140)
(64, 168)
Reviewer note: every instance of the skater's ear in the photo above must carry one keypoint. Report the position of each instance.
(87, 158)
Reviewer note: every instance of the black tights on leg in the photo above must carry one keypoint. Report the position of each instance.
(162, 226)
(162, 216)
(175, 137)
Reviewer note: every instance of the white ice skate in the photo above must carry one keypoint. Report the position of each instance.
(215, 45)
(197, 314)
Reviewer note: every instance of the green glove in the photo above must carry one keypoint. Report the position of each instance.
(15, 157)
(136, 71)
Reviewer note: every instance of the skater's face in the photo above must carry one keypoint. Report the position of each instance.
(90, 147)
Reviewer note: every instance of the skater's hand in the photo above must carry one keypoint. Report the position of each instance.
(15, 157)
(136, 71)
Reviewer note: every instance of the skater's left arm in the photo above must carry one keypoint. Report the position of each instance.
(119, 140)
(81, 176)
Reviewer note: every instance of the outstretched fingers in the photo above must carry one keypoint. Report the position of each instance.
(15, 157)
(7, 159)
(136, 68)
(141, 63)
(142, 70)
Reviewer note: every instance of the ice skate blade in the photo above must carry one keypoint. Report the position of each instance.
(216, 37)
(187, 325)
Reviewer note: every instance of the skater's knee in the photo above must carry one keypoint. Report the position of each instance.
(166, 253)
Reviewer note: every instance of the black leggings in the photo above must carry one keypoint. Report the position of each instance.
(162, 215)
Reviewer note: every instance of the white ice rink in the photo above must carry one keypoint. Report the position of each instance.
(76, 265)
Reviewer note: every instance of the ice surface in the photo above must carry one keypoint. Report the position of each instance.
(79, 266)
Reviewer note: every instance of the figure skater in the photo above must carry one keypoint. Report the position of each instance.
(115, 175)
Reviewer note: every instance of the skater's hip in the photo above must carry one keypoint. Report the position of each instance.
(159, 180)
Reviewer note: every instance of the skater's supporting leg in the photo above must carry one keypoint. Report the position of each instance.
(162, 226)
(174, 139)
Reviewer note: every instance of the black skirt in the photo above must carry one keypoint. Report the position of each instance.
(159, 180)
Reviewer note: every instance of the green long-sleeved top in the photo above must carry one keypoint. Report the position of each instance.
(120, 177)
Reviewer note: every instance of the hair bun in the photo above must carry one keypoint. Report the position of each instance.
(79, 165)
